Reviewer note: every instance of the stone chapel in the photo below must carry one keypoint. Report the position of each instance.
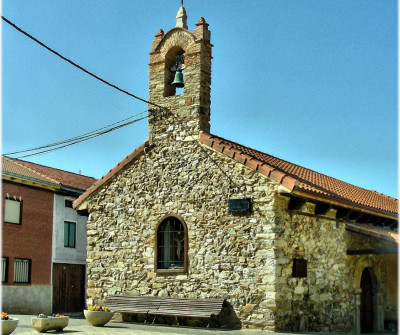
(190, 214)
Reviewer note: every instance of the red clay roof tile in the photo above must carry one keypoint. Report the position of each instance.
(46, 173)
(307, 180)
(292, 176)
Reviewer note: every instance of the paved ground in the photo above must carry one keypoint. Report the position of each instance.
(80, 326)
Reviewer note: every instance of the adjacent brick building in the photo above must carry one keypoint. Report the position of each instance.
(36, 210)
(190, 214)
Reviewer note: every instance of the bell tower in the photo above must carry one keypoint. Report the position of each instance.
(181, 58)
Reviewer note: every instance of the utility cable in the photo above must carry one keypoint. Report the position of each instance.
(94, 133)
(76, 65)
(74, 138)
(77, 139)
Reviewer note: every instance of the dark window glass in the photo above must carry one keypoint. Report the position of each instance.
(68, 203)
(170, 244)
(4, 269)
(69, 234)
(299, 268)
(22, 270)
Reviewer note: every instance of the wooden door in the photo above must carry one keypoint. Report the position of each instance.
(68, 288)
(367, 306)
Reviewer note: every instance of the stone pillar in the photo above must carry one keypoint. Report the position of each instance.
(357, 316)
(378, 312)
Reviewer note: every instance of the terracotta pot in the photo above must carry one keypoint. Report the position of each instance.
(8, 326)
(42, 325)
(98, 318)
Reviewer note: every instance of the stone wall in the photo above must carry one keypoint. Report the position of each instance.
(392, 284)
(229, 255)
(246, 258)
(383, 268)
(326, 300)
(322, 301)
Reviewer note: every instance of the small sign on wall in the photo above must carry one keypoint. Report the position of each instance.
(239, 205)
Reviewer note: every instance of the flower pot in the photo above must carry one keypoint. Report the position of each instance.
(42, 325)
(98, 318)
(8, 326)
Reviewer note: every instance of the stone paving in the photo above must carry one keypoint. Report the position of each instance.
(80, 326)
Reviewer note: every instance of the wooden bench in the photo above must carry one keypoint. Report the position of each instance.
(157, 306)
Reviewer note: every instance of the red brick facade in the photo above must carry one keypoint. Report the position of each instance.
(32, 239)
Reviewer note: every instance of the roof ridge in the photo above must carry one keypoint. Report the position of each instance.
(385, 195)
(299, 179)
(303, 167)
(48, 167)
(17, 162)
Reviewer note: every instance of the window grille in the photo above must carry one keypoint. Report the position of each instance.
(69, 234)
(22, 270)
(4, 269)
(12, 211)
(171, 244)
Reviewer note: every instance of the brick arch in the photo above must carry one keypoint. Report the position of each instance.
(175, 37)
(176, 41)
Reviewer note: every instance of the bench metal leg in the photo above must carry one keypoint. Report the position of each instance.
(147, 318)
(213, 318)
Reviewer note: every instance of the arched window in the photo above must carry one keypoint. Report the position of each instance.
(171, 245)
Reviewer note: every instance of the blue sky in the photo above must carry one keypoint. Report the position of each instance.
(311, 82)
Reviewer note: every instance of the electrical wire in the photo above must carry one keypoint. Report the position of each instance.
(99, 132)
(74, 138)
(65, 143)
(76, 65)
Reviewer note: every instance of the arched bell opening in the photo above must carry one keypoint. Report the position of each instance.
(174, 72)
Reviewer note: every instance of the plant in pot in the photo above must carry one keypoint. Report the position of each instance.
(8, 324)
(43, 323)
(98, 316)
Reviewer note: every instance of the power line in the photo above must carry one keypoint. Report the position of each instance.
(99, 132)
(76, 65)
(68, 142)
(74, 138)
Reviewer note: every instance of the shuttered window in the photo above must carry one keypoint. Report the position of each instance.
(69, 234)
(22, 270)
(12, 211)
(4, 269)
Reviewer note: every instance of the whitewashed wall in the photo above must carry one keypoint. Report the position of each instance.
(63, 254)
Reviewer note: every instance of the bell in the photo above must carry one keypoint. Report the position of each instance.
(178, 80)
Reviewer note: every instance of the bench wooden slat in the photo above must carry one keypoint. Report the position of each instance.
(202, 308)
